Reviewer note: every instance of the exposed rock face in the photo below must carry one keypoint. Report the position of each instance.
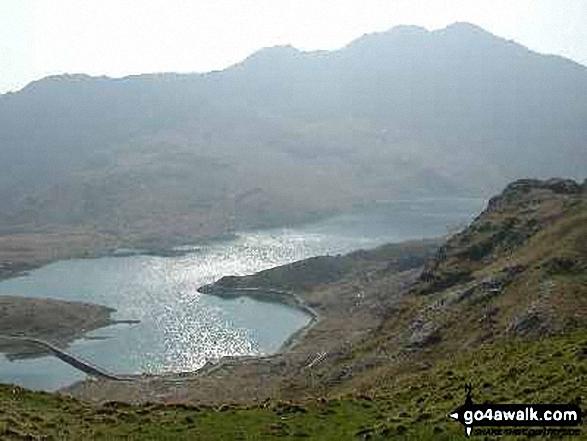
(528, 324)
(286, 136)
(521, 211)
(562, 265)
(518, 271)
(515, 275)
(423, 334)
(521, 187)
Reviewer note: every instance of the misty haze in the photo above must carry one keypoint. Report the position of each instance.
(317, 243)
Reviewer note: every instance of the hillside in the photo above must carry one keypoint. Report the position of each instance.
(162, 159)
(501, 305)
(416, 407)
(517, 272)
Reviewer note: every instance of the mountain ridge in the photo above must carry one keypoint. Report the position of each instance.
(514, 328)
(163, 155)
(457, 27)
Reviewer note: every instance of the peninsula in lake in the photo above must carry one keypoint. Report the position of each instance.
(381, 341)
(283, 137)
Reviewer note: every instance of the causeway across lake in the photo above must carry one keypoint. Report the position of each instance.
(180, 329)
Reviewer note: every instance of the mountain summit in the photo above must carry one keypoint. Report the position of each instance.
(402, 113)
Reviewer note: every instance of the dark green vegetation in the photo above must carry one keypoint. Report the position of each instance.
(282, 137)
(412, 406)
(321, 270)
(502, 305)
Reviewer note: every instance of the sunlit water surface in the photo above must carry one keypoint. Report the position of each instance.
(180, 329)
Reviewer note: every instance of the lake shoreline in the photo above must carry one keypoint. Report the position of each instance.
(327, 323)
(16, 263)
(328, 286)
(286, 298)
(22, 350)
(44, 322)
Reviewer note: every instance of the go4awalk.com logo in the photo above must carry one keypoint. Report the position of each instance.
(472, 415)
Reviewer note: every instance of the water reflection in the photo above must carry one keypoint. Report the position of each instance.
(180, 329)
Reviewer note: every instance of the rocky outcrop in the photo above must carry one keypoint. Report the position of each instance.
(517, 190)
(510, 220)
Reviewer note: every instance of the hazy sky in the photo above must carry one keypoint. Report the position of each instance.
(122, 37)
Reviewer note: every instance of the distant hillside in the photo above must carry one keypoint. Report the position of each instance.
(501, 305)
(285, 135)
(519, 270)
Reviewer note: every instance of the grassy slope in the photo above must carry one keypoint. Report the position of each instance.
(503, 306)
(414, 405)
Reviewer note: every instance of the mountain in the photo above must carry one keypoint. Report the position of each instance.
(400, 331)
(402, 113)
(515, 275)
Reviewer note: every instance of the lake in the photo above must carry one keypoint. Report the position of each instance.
(180, 329)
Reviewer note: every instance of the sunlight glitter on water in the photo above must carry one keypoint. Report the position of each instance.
(180, 329)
